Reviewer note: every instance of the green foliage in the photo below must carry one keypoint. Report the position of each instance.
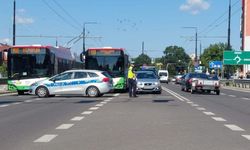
(3, 70)
(176, 59)
(142, 59)
(215, 53)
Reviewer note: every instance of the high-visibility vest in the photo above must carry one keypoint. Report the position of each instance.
(131, 74)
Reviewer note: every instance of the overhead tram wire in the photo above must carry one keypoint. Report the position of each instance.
(67, 13)
(217, 25)
(216, 20)
(60, 16)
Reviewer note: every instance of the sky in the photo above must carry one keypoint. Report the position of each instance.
(121, 23)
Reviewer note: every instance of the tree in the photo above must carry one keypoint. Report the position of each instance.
(215, 53)
(176, 59)
(142, 59)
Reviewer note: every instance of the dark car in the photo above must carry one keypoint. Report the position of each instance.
(186, 83)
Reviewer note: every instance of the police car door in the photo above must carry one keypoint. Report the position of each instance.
(63, 83)
(80, 82)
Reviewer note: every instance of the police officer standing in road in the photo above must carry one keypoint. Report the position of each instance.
(132, 81)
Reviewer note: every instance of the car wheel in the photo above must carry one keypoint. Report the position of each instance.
(192, 91)
(20, 92)
(42, 92)
(92, 91)
(218, 92)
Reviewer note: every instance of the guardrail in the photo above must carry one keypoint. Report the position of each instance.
(241, 83)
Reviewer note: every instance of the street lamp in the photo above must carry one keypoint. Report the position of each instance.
(195, 28)
(84, 34)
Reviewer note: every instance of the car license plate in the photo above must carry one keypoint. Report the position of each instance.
(208, 82)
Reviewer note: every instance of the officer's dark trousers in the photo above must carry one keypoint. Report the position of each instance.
(132, 87)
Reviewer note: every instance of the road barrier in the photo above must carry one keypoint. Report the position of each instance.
(241, 83)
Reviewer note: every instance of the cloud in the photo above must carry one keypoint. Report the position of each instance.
(24, 20)
(5, 41)
(195, 6)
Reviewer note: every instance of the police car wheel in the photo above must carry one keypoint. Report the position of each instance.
(92, 91)
(42, 92)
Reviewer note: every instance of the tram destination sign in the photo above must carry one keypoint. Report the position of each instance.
(236, 57)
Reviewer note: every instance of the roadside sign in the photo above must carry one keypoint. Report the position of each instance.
(215, 64)
(236, 57)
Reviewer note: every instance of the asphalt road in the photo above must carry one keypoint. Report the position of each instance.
(174, 120)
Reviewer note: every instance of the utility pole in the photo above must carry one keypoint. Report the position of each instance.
(229, 27)
(142, 48)
(84, 35)
(196, 39)
(14, 24)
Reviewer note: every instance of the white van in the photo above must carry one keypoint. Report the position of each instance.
(163, 74)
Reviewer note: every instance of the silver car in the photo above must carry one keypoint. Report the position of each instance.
(90, 83)
(147, 81)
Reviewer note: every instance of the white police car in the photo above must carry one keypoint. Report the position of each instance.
(90, 83)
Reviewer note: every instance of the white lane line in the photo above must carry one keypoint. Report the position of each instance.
(246, 136)
(103, 102)
(195, 105)
(201, 108)
(46, 138)
(64, 126)
(4, 106)
(222, 94)
(87, 112)
(77, 118)
(232, 95)
(38, 99)
(28, 101)
(190, 102)
(110, 98)
(172, 93)
(93, 108)
(99, 105)
(245, 98)
(107, 100)
(233, 127)
(17, 103)
(219, 119)
(117, 94)
(208, 113)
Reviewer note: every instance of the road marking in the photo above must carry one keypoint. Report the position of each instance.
(208, 113)
(233, 127)
(117, 94)
(17, 103)
(38, 99)
(99, 105)
(64, 126)
(93, 108)
(246, 136)
(219, 119)
(110, 98)
(103, 102)
(4, 106)
(46, 138)
(195, 105)
(87, 112)
(78, 118)
(222, 94)
(232, 95)
(107, 100)
(190, 102)
(28, 101)
(200, 108)
(245, 98)
(174, 94)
